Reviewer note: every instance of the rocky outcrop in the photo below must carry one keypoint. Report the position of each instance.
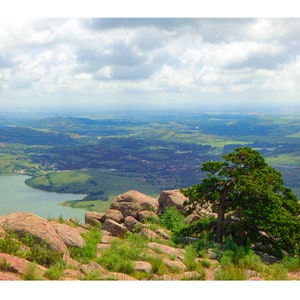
(18, 266)
(175, 265)
(70, 235)
(171, 198)
(150, 234)
(114, 228)
(131, 223)
(93, 218)
(133, 202)
(142, 266)
(114, 215)
(147, 215)
(179, 253)
(24, 223)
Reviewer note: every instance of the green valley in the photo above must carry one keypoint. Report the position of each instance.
(107, 153)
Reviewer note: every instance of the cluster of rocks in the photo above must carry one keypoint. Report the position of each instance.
(128, 213)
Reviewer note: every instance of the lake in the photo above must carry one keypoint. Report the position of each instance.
(15, 196)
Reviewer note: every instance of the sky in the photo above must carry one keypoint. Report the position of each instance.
(142, 61)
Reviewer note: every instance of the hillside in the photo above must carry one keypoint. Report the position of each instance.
(136, 239)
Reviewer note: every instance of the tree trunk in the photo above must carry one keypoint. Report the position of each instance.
(220, 223)
(221, 211)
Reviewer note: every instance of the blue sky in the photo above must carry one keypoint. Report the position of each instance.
(149, 61)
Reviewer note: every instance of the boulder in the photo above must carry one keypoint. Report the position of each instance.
(142, 266)
(70, 235)
(163, 233)
(9, 276)
(205, 211)
(23, 223)
(147, 215)
(131, 223)
(150, 234)
(92, 266)
(114, 228)
(103, 246)
(190, 275)
(72, 274)
(20, 265)
(120, 276)
(93, 218)
(179, 253)
(107, 239)
(192, 218)
(171, 198)
(175, 265)
(112, 214)
(133, 202)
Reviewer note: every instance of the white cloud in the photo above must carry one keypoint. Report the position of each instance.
(129, 58)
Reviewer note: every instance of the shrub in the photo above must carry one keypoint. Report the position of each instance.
(172, 219)
(41, 254)
(9, 244)
(204, 243)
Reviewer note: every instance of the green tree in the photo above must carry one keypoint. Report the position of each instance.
(251, 202)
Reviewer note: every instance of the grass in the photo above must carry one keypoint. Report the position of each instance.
(55, 272)
(120, 256)
(158, 266)
(89, 251)
(31, 273)
(190, 258)
(6, 266)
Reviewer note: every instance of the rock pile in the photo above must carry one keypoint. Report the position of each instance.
(127, 213)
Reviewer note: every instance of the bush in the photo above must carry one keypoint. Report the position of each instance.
(42, 255)
(204, 243)
(172, 219)
(9, 244)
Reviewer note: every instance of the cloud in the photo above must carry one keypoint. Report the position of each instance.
(93, 59)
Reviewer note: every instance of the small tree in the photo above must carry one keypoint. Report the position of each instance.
(250, 200)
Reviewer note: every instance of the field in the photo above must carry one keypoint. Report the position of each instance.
(105, 154)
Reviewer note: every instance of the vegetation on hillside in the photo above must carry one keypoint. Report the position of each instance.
(259, 208)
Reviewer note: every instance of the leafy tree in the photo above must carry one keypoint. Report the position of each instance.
(251, 202)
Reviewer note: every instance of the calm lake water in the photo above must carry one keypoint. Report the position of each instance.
(15, 196)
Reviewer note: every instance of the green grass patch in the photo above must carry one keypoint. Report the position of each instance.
(89, 251)
(120, 256)
(31, 273)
